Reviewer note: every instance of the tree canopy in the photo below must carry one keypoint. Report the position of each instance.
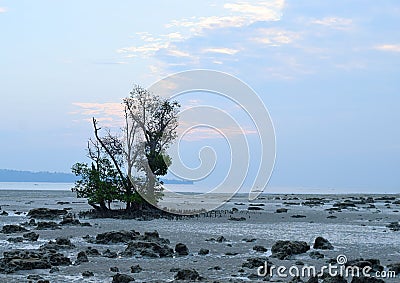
(125, 166)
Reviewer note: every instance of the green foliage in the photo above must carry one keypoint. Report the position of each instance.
(98, 183)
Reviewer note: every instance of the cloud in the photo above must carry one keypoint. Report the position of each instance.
(109, 108)
(388, 47)
(275, 37)
(3, 10)
(222, 50)
(246, 14)
(334, 22)
(241, 14)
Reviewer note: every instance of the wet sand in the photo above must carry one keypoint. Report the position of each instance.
(356, 232)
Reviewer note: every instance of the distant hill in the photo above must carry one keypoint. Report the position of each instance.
(7, 175)
(28, 176)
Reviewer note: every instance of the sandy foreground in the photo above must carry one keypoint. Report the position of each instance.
(358, 231)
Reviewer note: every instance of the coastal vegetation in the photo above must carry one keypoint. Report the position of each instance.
(125, 166)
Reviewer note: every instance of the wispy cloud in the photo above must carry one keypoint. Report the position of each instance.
(3, 10)
(240, 14)
(334, 22)
(222, 50)
(388, 47)
(275, 37)
(110, 112)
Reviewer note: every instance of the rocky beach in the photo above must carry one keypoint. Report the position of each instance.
(45, 237)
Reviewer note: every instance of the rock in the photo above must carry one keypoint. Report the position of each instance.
(281, 210)
(114, 269)
(147, 249)
(47, 225)
(181, 249)
(92, 252)
(361, 263)
(322, 244)
(122, 278)
(366, 280)
(188, 274)
(220, 239)
(15, 260)
(4, 213)
(87, 273)
(331, 217)
(316, 255)
(394, 226)
(204, 251)
(298, 216)
(334, 279)
(114, 237)
(31, 236)
(54, 269)
(59, 244)
(394, 267)
(237, 218)
(254, 208)
(260, 249)
(63, 202)
(81, 257)
(284, 249)
(46, 213)
(15, 240)
(136, 268)
(247, 240)
(110, 254)
(70, 220)
(256, 262)
(11, 229)
(312, 280)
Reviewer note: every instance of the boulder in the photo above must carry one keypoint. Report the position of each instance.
(316, 255)
(15, 240)
(281, 210)
(81, 257)
(147, 249)
(60, 243)
(122, 278)
(366, 280)
(87, 273)
(109, 254)
(394, 267)
(136, 268)
(204, 251)
(188, 274)
(361, 263)
(92, 251)
(321, 243)
(285, 249)
(260, 249)
(47, 225)
(334, 279)
(114, 269)
(15, 260)
(114, 237)
(11, 229)
(181, 249)
(46, 213)
(31, 236)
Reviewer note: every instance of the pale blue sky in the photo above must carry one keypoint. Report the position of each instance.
(328, 71)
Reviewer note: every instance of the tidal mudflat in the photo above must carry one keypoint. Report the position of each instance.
(44, 238)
